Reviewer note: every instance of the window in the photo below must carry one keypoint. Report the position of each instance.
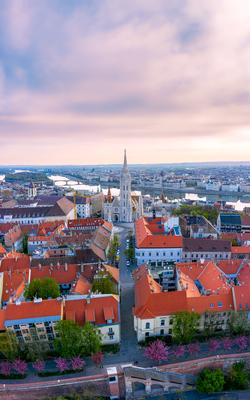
(162, 332)
(149, 254)
(111, 330)
(247, 307)
(147, 326)
(147, 334)
(170, 331)
(171, 321)
(111, 337)
(220, 304)
(240, 306)
(211, 305)
(157, 254)
(162, 322)
(112, 379)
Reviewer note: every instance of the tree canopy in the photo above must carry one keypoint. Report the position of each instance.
(210, 213)
(9, 347)
(42, 288)
(103, 283)
(184, 326)
(74, 340)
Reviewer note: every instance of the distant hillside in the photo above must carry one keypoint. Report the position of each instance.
(19, 177)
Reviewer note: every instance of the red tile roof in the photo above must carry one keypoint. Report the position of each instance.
(244, 274)
(241, 250)
(2, 250)
(242, 298)
(146, 236)
(14, 261)
(29, 309)
(82, 286)
(229, 267)
(14, 284)
(80, 309)
(61, 273)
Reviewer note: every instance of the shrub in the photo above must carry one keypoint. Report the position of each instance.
(5, 368)
(210, 381)
(237, 377)
(157, 351)
(61, 364)
(77, 363)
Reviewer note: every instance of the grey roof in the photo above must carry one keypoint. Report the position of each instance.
(230, 219)
(206, 245)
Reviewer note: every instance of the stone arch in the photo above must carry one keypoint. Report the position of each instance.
(157, 387)
(138, 386)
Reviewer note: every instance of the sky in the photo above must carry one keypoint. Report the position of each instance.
(80, 80)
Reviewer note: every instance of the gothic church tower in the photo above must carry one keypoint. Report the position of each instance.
(125, 193)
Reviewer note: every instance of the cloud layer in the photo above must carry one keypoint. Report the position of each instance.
(80, 80)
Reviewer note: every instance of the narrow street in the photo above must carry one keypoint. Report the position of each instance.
(128, 336)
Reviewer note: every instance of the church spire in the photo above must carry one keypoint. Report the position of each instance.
(125, 164)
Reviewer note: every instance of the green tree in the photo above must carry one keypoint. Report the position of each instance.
(237, 377)
(185, 326)
(9, 346)
(103, 283)
(44, 288)
(69, 343)
(210, 213)
(210, 381)
(91, 339)
(25, 244)
(114, 246)
(239, 323)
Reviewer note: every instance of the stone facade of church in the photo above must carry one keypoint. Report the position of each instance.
(128, 206)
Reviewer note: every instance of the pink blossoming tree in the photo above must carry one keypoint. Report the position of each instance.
(5, 368)
(61, 364)
(156, 351)
(20, 366)
(241, 342)
(180, 351)
(77, 363)
(227, 343)
(214, 345)
(193, 348)
(39, 365)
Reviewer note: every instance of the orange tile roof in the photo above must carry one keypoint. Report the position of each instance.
(90, 315)
(82, 286)
(207, 273)
(242, 297)
(96, 307)
(212, 303)
(85, 222)
(2, 250)
(15, 261)
(147, 238)
(229, 267)
(240, 250)
(187, 284)
(14, 284)
(39, 238)
(61, 273)
(29, 309)
(2, 319)
(113, 271)
(244, 274)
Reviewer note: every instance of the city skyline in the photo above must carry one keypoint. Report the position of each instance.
(167, 80)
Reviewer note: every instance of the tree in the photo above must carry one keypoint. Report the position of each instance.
(61, 364)
(20, 366)
(227, 343)
(70, 341)
(97, 358)
(210, 381)
(9, 345)
(214, 345)
(241, 342)
(103, 283)
(5, 368)
(156, 351)
(193, 348)
(180, 351)
(25, 244)
(184, 326)
(239, 324)
(210, 213)
(42, 288)
(39, 365)
(237, 377)
(77, 363)
(91, 339)
(114, 246)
